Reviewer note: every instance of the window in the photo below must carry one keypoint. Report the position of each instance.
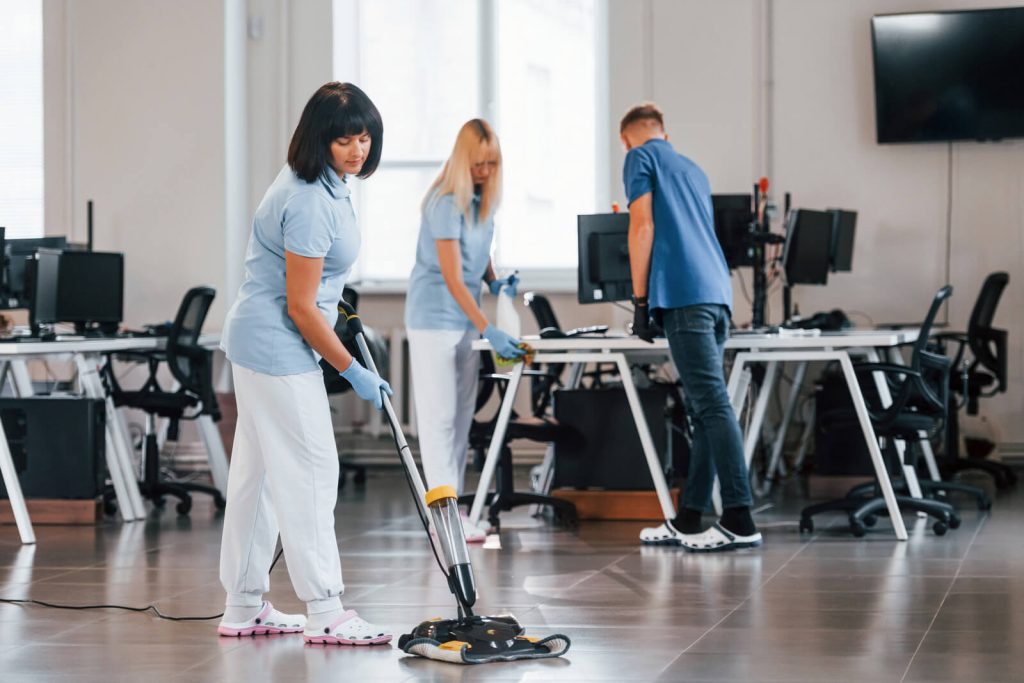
(21, 118)
(527, 66)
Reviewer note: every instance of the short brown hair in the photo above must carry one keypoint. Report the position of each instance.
(647, 111)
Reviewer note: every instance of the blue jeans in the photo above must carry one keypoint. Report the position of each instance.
(696, 337)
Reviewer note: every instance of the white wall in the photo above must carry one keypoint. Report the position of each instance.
(703, 61)
(135, 122)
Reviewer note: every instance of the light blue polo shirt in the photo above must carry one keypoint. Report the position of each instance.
(687, 264)
(309, 219)
(429, 305)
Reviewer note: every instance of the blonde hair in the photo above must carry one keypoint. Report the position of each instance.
(475, 143)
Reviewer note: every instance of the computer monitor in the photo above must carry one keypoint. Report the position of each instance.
(91, 289)
(603, 243)
(18, 252)
(843, 225)
(733, 215)
(42, 271)
(808, 247)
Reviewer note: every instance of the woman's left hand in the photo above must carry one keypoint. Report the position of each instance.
(510, 283)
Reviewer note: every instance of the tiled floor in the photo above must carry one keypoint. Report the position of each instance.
(823, 608)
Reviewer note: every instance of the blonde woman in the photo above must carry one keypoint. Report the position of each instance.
(442, 308)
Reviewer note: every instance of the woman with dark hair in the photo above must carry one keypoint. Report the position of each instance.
(284, 464)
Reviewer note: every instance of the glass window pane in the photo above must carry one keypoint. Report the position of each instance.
(389, 213)
(419, 64)
(21, 118)
(547, 100)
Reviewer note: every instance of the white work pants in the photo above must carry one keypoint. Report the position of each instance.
(445, 372)
(283, 477)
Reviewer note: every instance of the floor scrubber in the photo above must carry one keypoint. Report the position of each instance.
(469, 638)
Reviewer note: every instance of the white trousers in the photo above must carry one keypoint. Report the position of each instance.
(445, 373)
(283, 478)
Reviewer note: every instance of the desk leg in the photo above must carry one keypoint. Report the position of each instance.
(774, 463)
(215, 454)
(660, 485)
(872, 443)
(497, 439)
(121, 474)
(13, 486)
(771, 373)
(22, 380)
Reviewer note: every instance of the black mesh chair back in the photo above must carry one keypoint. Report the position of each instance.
(190, 363)
(987, 344)
(542, 311)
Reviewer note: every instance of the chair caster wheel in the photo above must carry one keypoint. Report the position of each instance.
(184, 507)
(939, 528)
(857, 529)
(360, 477)
(220, 503)
(870, 521)
(806, 524)
(109, 508)
(159, 502)
(953, 522)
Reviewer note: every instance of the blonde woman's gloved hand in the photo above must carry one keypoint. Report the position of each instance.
(503, 343)
(510, 283)
(367, 384)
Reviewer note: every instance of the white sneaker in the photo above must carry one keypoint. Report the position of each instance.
(348, 629)
(716, 539)
(474, 533)
(664, 534)
(267, 622)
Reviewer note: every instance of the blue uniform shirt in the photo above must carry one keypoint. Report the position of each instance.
(309, 219)
(687, 264)
(429, 305)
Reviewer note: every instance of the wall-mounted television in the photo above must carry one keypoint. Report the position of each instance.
(949, 75)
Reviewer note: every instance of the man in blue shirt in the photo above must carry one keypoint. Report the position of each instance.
(680, 276)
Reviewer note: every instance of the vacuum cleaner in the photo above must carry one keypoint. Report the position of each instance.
(470, 638)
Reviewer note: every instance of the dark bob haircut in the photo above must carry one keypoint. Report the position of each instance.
(335, 110)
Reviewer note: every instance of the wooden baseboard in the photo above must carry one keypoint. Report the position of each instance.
(615, 505)
(56, 511)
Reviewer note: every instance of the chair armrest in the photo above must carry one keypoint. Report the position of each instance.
(951, 336)
(887, 368)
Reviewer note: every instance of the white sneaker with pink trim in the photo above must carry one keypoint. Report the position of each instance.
(348, 629)
(267, 622)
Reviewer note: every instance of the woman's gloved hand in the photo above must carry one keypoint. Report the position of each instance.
(503, 343)
(512, 282)
(367, 384)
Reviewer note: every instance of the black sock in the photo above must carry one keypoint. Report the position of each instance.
(687, 521)
(738, 521)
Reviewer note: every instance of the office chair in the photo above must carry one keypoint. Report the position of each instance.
(191, 365)
(336, 384)
(917, 407)
(538, 427)
(984, 376)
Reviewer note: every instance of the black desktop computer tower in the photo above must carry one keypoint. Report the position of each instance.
(57, 445)
(601, 447)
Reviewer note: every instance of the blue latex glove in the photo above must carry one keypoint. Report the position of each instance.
(512, 281)
(503, 343)
(367, 384)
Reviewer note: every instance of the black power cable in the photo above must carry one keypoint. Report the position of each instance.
(127, 608)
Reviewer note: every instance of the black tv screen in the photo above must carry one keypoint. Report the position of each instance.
(949, 75)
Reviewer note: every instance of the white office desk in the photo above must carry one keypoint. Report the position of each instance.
(772, 349)
(87, 354)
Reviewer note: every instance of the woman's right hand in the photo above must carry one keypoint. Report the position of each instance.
(503, 343)
(366, 384)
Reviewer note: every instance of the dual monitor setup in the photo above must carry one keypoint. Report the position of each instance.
(816, 243)
(59, 282)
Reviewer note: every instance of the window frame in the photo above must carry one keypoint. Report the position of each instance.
(555, 280)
